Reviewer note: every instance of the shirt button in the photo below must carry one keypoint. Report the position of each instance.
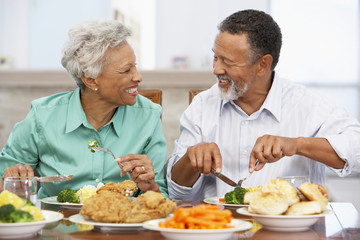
(97, 180)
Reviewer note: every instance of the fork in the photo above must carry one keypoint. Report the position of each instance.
(242, 180)
(107, 151)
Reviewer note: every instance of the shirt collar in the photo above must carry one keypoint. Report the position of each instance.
(76, 115)
(272, 102)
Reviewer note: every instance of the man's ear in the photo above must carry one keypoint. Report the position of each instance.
(264, 64)
(90, 83)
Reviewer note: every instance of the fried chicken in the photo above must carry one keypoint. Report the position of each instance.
(150, 205)
(125, 188)
(107, 207)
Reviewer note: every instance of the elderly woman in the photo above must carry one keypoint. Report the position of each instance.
(106, 107)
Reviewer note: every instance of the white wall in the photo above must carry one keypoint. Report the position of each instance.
(188, 28)
(14, 31)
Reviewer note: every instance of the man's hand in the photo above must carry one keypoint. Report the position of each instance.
(205, 156)
(198, 159)
(269, 149)
(19, 170)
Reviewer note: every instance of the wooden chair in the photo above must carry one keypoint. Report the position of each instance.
(193, 93)
(154, 95)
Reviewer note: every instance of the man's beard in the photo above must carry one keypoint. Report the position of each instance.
(232, 92)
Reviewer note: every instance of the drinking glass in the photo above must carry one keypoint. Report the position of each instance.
(24, 187)
(296, 181)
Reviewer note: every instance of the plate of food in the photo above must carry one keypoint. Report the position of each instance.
(278, 205)
(27, 229)
(111, 211)
(53, 200)
(208, 234)
(221, 201)
(285, 223)
(106, 227)
(199, 222)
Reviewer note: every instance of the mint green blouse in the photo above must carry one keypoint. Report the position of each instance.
(54, 136)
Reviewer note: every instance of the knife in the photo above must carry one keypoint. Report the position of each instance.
(223, 178)
(57, 178)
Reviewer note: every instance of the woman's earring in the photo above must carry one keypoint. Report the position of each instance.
(95, 89)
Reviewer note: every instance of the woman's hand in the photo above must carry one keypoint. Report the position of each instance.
(19, 170)
(140, 169)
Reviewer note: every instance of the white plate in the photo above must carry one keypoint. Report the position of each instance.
(215, 200)
(52, 200)
(189, 234)
(285, 223)
(28, 229)
(107, 227)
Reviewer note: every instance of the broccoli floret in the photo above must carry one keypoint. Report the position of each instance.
(239, 194)
(19, 216)
(236, 196)
(5, 212)
(229, 198)
(68, 195)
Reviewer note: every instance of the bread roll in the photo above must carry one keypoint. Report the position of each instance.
(284, 187)
(304, 208)
(249, 196)
(269, 203)
(315, 192)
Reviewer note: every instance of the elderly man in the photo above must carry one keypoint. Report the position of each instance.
(252, 114)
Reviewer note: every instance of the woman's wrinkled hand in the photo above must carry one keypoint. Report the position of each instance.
(140, 169)
(19, 170)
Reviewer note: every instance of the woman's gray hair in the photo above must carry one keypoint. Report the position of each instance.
(83, 53)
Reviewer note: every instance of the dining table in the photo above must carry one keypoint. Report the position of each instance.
(342, 223)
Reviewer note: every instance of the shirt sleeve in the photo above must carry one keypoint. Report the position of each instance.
(21, 146)
(156, 152)
(190, 134)
(343, 133)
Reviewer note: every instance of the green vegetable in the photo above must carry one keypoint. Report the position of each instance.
(28, 202)
(5, 211)
(21, 216)
(9, 214)
(92, 144)
(68, 195)
(236, 196)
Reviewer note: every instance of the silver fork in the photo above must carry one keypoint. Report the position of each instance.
(105, 150)
(242, 180)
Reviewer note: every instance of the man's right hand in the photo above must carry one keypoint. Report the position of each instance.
(198, 159)
(19, 170)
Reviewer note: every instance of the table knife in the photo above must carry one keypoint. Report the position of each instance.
(57, 178)
(223, 178)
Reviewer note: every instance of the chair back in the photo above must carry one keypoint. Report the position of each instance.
(154, 95)
(193, 93)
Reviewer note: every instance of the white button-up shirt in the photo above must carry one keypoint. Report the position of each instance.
(289, 110)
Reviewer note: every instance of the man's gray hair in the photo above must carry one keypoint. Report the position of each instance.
(83, 53)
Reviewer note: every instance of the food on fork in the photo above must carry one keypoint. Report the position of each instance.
(315, 192)
(125, 188)
(269, 203)
(284, 187)
(304, 208)
(113, 207)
